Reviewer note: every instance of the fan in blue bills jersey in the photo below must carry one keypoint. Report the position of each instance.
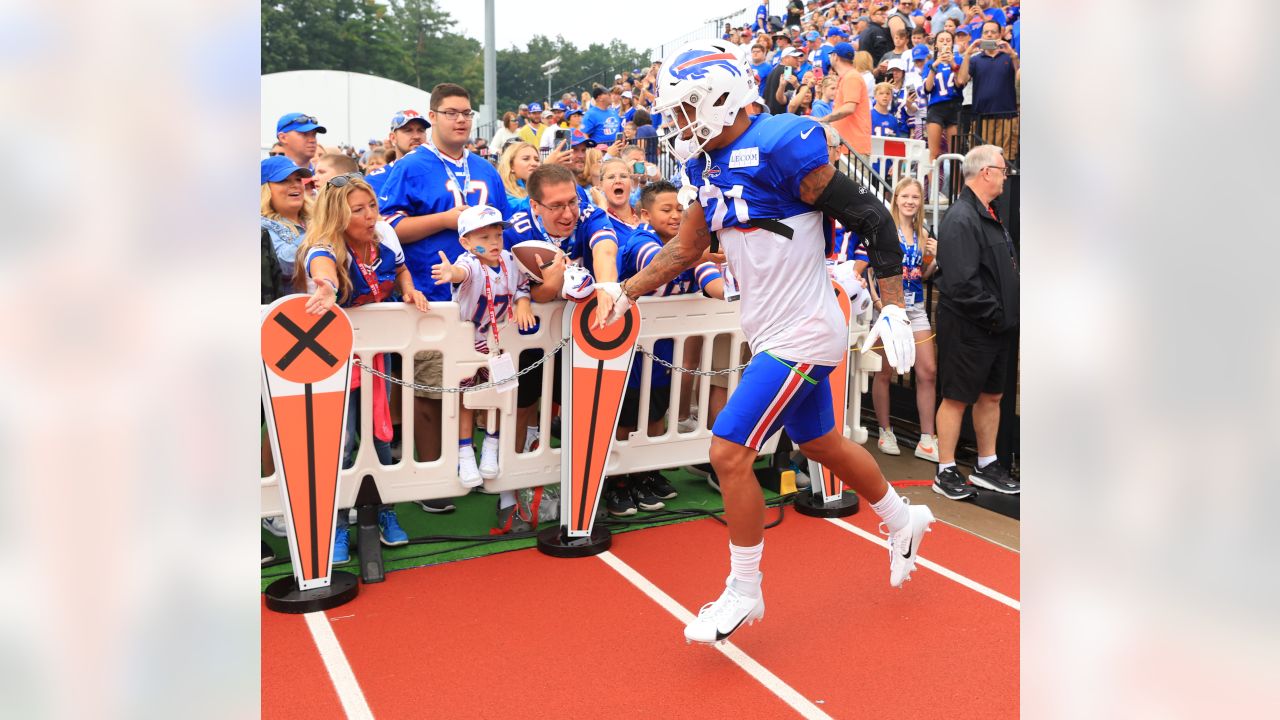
(590, 230)
(408, 132)
(429, 182)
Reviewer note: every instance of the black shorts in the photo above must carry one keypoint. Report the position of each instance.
(659, 401)
(946, 114)
(530, 384)
(971, 360)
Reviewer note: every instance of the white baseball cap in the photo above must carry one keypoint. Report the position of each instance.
(478, 216)
(626, 94)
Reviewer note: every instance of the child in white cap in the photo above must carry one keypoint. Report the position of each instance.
(490, 290)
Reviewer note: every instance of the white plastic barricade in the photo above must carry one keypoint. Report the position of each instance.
(898, 157)
(400, 328)
(948, 165)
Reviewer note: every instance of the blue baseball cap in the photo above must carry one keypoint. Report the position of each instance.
(535, 107)
(837, 32)
(276, 169)
(919, 52)
(404, 117)
(301, 122)
(580, 138)
(571, 113)
(811, 35)
(844, 50)
(559, 106)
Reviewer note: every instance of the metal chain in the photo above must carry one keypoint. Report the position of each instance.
(473, 388)
(699, 373)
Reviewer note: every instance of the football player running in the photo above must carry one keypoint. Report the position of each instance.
(763, 184)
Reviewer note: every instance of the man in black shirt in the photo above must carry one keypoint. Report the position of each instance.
(781, 79)
(977, 320)
(795, 9)
(875, 39)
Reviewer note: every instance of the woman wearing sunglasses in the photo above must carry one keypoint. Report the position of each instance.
(350, 257)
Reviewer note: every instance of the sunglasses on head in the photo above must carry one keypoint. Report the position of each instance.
(341, 180)
(304, 120)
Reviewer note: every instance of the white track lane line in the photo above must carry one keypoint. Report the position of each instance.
(944, 572)
(335, 661)
(785, 692)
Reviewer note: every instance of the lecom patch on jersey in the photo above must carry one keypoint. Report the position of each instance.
(744, 157)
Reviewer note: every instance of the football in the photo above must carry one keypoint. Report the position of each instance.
(527, 253)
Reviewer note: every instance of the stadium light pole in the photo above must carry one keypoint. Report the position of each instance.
(490, 67)
(549, 69)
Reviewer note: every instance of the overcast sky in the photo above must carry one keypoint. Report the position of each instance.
(652, 22)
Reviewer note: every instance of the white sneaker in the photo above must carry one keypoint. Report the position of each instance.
(904, 545)
(468, 473)
(717, 620)
(275, 525)
(888, 442)
(489, 458)
(927, 448)
(688, 425)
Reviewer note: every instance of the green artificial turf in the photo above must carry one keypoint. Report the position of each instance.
(477, 513)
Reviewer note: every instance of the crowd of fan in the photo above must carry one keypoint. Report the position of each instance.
(908, 69)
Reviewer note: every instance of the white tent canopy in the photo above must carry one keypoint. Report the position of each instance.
(353, 108)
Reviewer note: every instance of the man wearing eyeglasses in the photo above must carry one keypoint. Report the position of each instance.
(296, 133)
(408, 131)
(422, 196)
(977, 319)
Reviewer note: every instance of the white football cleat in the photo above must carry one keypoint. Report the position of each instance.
(717, 620)
(904, 545)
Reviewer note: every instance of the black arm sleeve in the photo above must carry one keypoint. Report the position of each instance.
(865, 214)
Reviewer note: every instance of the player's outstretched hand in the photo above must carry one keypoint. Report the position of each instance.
(618, 303)
(442, 272)
(893, 330)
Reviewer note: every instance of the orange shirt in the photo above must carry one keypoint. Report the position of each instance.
(854, 128)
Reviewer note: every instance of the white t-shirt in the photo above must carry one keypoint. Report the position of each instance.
(798, 319)
(506, 283)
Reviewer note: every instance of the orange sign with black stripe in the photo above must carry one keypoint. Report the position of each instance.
(825, 482)
(306, 373)
(598, 363)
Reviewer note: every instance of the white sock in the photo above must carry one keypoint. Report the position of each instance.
(744, 568)
(985, 460)
(892, 510)
(944, 465)
(506, 499)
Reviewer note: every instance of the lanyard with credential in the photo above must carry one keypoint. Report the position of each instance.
(371, 279)
(465, 189)
(488, 294)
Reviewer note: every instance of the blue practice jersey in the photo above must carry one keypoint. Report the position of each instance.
(593, 228)
(762, 71)
(758, 175)
(376, 178)
(944, 83)
(422, 183)
(889, 124)
(601, 126)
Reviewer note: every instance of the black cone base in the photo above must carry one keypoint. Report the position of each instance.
(283, 595)
(809, 504)
(553, 542)
(1007, 505)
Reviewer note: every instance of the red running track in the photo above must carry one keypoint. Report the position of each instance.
(499, 637)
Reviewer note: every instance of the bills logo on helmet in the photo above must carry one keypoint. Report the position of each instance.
(693, 65)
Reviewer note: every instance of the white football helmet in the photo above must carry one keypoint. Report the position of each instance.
(713, 77)
(578, 284)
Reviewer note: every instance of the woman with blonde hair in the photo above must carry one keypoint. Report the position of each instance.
(919, 249)
(590, 172)
(350, 257)
(518, 161)
(616, 182)
(862, 64)
(284, 211)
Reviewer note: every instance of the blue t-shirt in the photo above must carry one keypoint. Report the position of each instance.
(593, 228)
(974, 29)
(762, 71)
(383, 271)
(996, 14)
(377, 178)
(760, 171)
(421, 183)
(629, 115)
(1016, 42)
(762, 19)
(886, 123)
(821, 108)
(601, 126)
(824, 55)
(944, 83)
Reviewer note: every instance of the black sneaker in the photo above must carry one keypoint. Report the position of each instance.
(705, 470)
(659, 486)
(642, 493)
(995, 477)
(618, 500)
(951, 484)
(442, 505)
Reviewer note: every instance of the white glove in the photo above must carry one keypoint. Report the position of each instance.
(894, 331)
(578, 284)
(621, 301)
(859, 297)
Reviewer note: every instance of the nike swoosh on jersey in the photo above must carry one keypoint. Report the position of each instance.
(805, 135)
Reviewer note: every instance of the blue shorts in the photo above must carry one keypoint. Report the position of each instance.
(771, 395)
